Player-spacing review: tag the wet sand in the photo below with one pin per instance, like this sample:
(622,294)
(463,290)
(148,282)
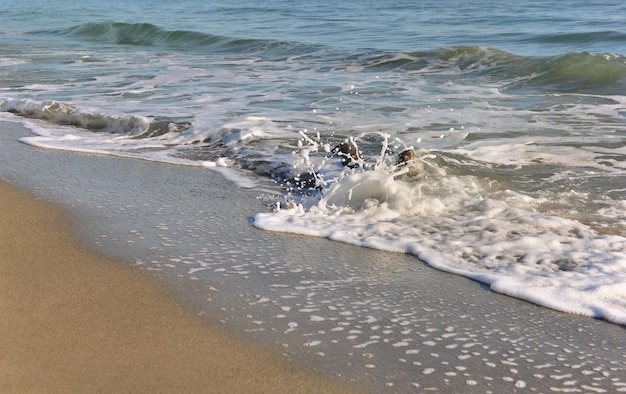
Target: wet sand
(383,321)
(74,321)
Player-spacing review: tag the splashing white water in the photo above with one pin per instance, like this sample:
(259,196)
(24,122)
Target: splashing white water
(463,225)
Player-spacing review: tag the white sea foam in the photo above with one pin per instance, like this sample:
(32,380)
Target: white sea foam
(516,185)
(459,224)
(519,181)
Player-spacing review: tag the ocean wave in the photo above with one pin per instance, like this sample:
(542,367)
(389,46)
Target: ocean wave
(575,72)
(68,114)
(579,37)
(147,34)
(464,225)
(459,58)
(603,73)
(572,72)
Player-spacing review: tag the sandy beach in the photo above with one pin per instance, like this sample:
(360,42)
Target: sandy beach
(144,276)
(75,321)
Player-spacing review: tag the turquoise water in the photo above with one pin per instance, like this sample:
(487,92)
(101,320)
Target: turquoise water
(529,28)
(516,112)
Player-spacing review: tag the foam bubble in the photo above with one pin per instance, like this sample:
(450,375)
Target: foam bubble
(461,225)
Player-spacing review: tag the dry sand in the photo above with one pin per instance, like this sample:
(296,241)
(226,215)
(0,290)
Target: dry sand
(74,321)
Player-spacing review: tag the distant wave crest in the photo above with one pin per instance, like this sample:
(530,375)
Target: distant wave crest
(603,73)
(147,34)
(578,72)
(572,72)
(579,37)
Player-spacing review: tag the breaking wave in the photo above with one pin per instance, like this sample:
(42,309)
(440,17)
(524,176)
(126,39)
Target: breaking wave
(572,72)
(586,72)
(68,114)
(147,34)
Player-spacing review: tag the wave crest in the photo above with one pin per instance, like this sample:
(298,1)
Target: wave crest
(147,34)
(68,114)
(579,72)
(571,72)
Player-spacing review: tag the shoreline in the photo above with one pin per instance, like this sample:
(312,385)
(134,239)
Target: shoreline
(73,320)
(383,321)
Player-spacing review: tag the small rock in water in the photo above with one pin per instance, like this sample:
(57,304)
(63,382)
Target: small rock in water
(306,180)
(406,156)
(349,154)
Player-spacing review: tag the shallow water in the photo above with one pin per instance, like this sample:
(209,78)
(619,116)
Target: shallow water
(379,319)
(516,115)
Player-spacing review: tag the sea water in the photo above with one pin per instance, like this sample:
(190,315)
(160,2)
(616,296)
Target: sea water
(516,114)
